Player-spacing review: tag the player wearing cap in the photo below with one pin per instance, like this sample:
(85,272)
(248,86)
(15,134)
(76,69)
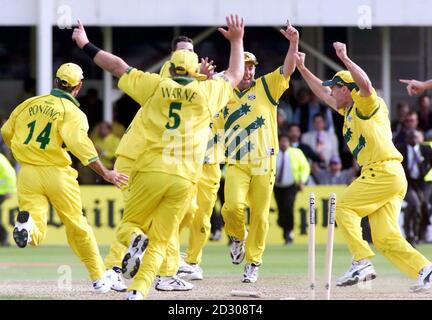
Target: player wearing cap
(39,132)
(162,180)
(381,187)
(127,152)
(251,141)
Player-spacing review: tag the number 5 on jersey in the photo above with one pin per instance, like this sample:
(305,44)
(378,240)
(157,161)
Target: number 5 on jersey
(174,106)
(43,138)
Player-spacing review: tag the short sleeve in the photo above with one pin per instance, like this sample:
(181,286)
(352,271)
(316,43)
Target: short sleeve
(219,92)
(365,106)
(139,85)
(74,134)
(275,84)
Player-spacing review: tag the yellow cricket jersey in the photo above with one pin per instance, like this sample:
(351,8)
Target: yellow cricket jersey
(250,119)
(215,148)
(367,130)
(175,115)
(42,129)
(133,138)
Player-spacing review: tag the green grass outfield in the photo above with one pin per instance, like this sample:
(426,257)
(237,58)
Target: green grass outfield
(43,263)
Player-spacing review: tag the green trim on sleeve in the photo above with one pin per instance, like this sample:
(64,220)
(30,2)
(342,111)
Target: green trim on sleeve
(363,117)
(267,91)
(93,159)
(128,70)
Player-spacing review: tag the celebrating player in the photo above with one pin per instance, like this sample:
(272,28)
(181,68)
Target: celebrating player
(40,131)
(251,145)
(164,174)
(381,187)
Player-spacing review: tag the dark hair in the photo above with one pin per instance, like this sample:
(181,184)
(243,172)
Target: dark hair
(59,85)
(283,134)
(319,114)
(292,125)
(179,39)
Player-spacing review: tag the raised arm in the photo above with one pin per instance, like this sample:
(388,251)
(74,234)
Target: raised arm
(360,77)
(314,83)
(415,87)
(234,34)
(105,60)
(293,36)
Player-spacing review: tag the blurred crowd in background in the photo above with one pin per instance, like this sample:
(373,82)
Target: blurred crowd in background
(304,123)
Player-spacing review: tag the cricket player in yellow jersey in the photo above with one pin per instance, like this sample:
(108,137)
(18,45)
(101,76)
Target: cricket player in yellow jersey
(251,148)
(162,180)
(382,185)
(127,152)
(39,132)
(198,219)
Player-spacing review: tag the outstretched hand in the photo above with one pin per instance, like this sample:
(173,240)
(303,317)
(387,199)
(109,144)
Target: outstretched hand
(235,26)
(290,32)
(79,35)
(207,67)
(414,86)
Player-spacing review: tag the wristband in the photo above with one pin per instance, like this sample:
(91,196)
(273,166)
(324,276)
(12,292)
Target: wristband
(91,50)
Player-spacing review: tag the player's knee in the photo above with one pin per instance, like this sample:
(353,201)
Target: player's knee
(386,242)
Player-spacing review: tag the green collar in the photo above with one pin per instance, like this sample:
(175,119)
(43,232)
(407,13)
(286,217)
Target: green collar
(242,93)
(183,80)
(63,94)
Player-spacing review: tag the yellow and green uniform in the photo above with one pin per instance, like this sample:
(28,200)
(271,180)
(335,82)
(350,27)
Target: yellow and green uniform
(7,177)
(380,189)
(40,132)
(170,160)
(127,152)
(197,218)
(251,144)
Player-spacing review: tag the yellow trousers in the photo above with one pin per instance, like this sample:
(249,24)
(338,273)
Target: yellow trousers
(253,184)
(197,219)
(117,249)
(378,194)
(37,187)
(155,206)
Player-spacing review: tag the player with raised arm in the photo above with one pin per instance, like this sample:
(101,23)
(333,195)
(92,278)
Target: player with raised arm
(381,187)
(181,109)
(251,141)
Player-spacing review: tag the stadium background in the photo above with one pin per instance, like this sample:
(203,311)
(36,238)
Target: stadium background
(390,39)
(35,40)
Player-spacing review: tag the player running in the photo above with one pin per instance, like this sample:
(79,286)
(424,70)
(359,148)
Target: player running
(381,187)
(39,132)
(164,174)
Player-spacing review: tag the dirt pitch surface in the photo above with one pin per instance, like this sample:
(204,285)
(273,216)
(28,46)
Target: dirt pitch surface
(219,288)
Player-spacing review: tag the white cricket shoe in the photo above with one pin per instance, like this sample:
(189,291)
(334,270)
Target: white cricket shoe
(190,272)
(23,228)
(173,283)
(102,285)
(250,274)
(237,250)
(424,281)
(362,270)
(132,259)
(116,279)
(134,295)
